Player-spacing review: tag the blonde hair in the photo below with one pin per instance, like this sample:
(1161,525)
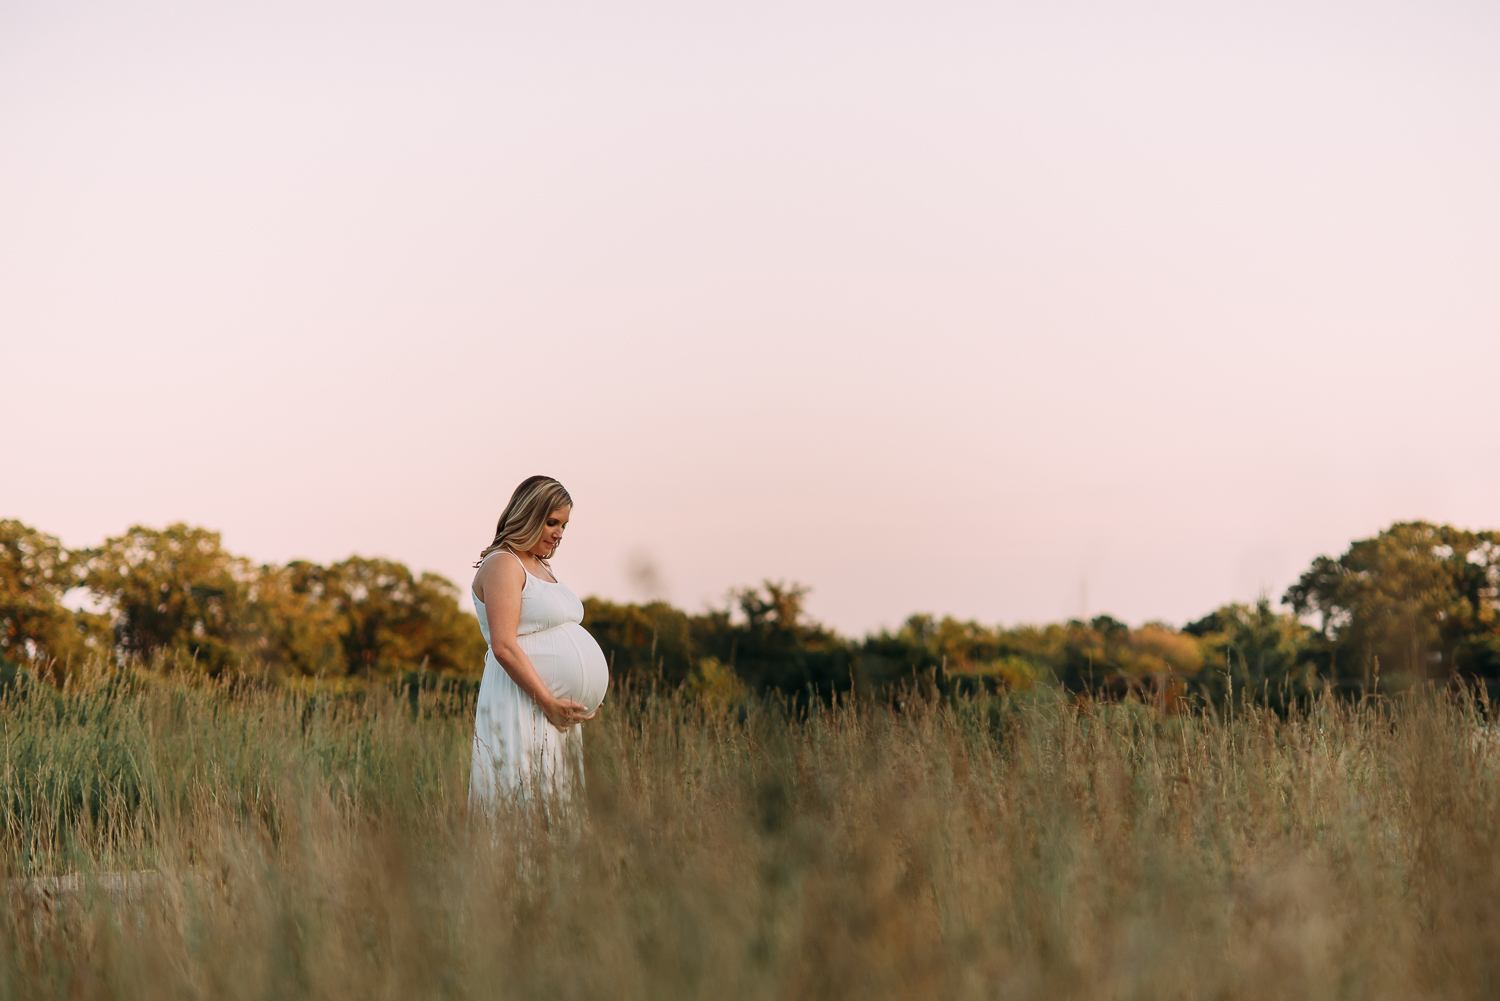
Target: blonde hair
(521,523)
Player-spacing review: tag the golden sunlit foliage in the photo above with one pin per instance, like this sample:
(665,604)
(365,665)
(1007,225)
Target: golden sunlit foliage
(176,599)
(35,573)
(1418,603)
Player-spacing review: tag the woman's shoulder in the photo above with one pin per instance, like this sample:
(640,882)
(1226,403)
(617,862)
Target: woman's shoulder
(496,569)
(497,557)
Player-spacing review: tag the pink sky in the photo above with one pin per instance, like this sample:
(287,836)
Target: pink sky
(1011,311)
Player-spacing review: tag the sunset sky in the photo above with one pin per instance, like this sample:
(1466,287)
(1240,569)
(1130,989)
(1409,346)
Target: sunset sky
(1011,311)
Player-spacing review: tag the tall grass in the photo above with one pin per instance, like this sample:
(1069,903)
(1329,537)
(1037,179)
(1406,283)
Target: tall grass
(319,846)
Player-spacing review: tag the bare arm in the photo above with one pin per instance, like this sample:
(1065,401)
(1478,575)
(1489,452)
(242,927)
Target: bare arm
(499,584)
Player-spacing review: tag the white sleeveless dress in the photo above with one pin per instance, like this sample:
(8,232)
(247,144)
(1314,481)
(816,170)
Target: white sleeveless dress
(516,750)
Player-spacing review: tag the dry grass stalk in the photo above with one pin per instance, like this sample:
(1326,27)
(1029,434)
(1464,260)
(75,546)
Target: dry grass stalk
(319,847)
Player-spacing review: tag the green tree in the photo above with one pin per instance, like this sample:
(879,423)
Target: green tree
(390,621)
(1257,651)
(298,626)
(1106,655)
(776,646)
(923,644)
(650,639)
(35,627)
(175,593)
(1418,599)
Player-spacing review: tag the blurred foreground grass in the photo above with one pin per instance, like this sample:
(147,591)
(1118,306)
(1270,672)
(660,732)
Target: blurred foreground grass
(317,845)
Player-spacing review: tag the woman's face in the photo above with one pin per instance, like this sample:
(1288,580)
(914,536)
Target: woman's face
(552,533)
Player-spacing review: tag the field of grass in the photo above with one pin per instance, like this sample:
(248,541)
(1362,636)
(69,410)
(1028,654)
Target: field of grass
(317,845)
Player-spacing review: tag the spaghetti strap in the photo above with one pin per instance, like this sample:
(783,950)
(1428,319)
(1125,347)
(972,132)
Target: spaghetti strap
(528,573)
(517,753)
(502,550)
(481,564)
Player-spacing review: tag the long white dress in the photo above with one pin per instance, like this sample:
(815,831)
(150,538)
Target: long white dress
(517,752)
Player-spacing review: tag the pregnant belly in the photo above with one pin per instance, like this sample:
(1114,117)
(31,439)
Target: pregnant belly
(570,663)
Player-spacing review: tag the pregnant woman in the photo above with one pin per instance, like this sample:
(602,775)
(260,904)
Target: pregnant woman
(543,674)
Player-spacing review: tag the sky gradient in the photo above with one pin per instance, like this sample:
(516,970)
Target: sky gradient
(1010,311)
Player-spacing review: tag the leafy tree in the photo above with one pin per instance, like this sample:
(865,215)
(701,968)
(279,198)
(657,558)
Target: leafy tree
(715,682)
(1104,655)
(770,645)
(654,638)
(1086,659)
(1423,600)
(298,626)
(175,593)
(924,643)
(176,597)
(390,621)
(35,627)
(776,647)
(368,617)
(1419,599)
(1156,649)
(1257,651)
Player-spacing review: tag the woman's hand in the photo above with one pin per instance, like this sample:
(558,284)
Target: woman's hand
(563,713)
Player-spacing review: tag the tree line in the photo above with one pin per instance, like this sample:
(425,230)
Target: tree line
(175,599)
(1418,603)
